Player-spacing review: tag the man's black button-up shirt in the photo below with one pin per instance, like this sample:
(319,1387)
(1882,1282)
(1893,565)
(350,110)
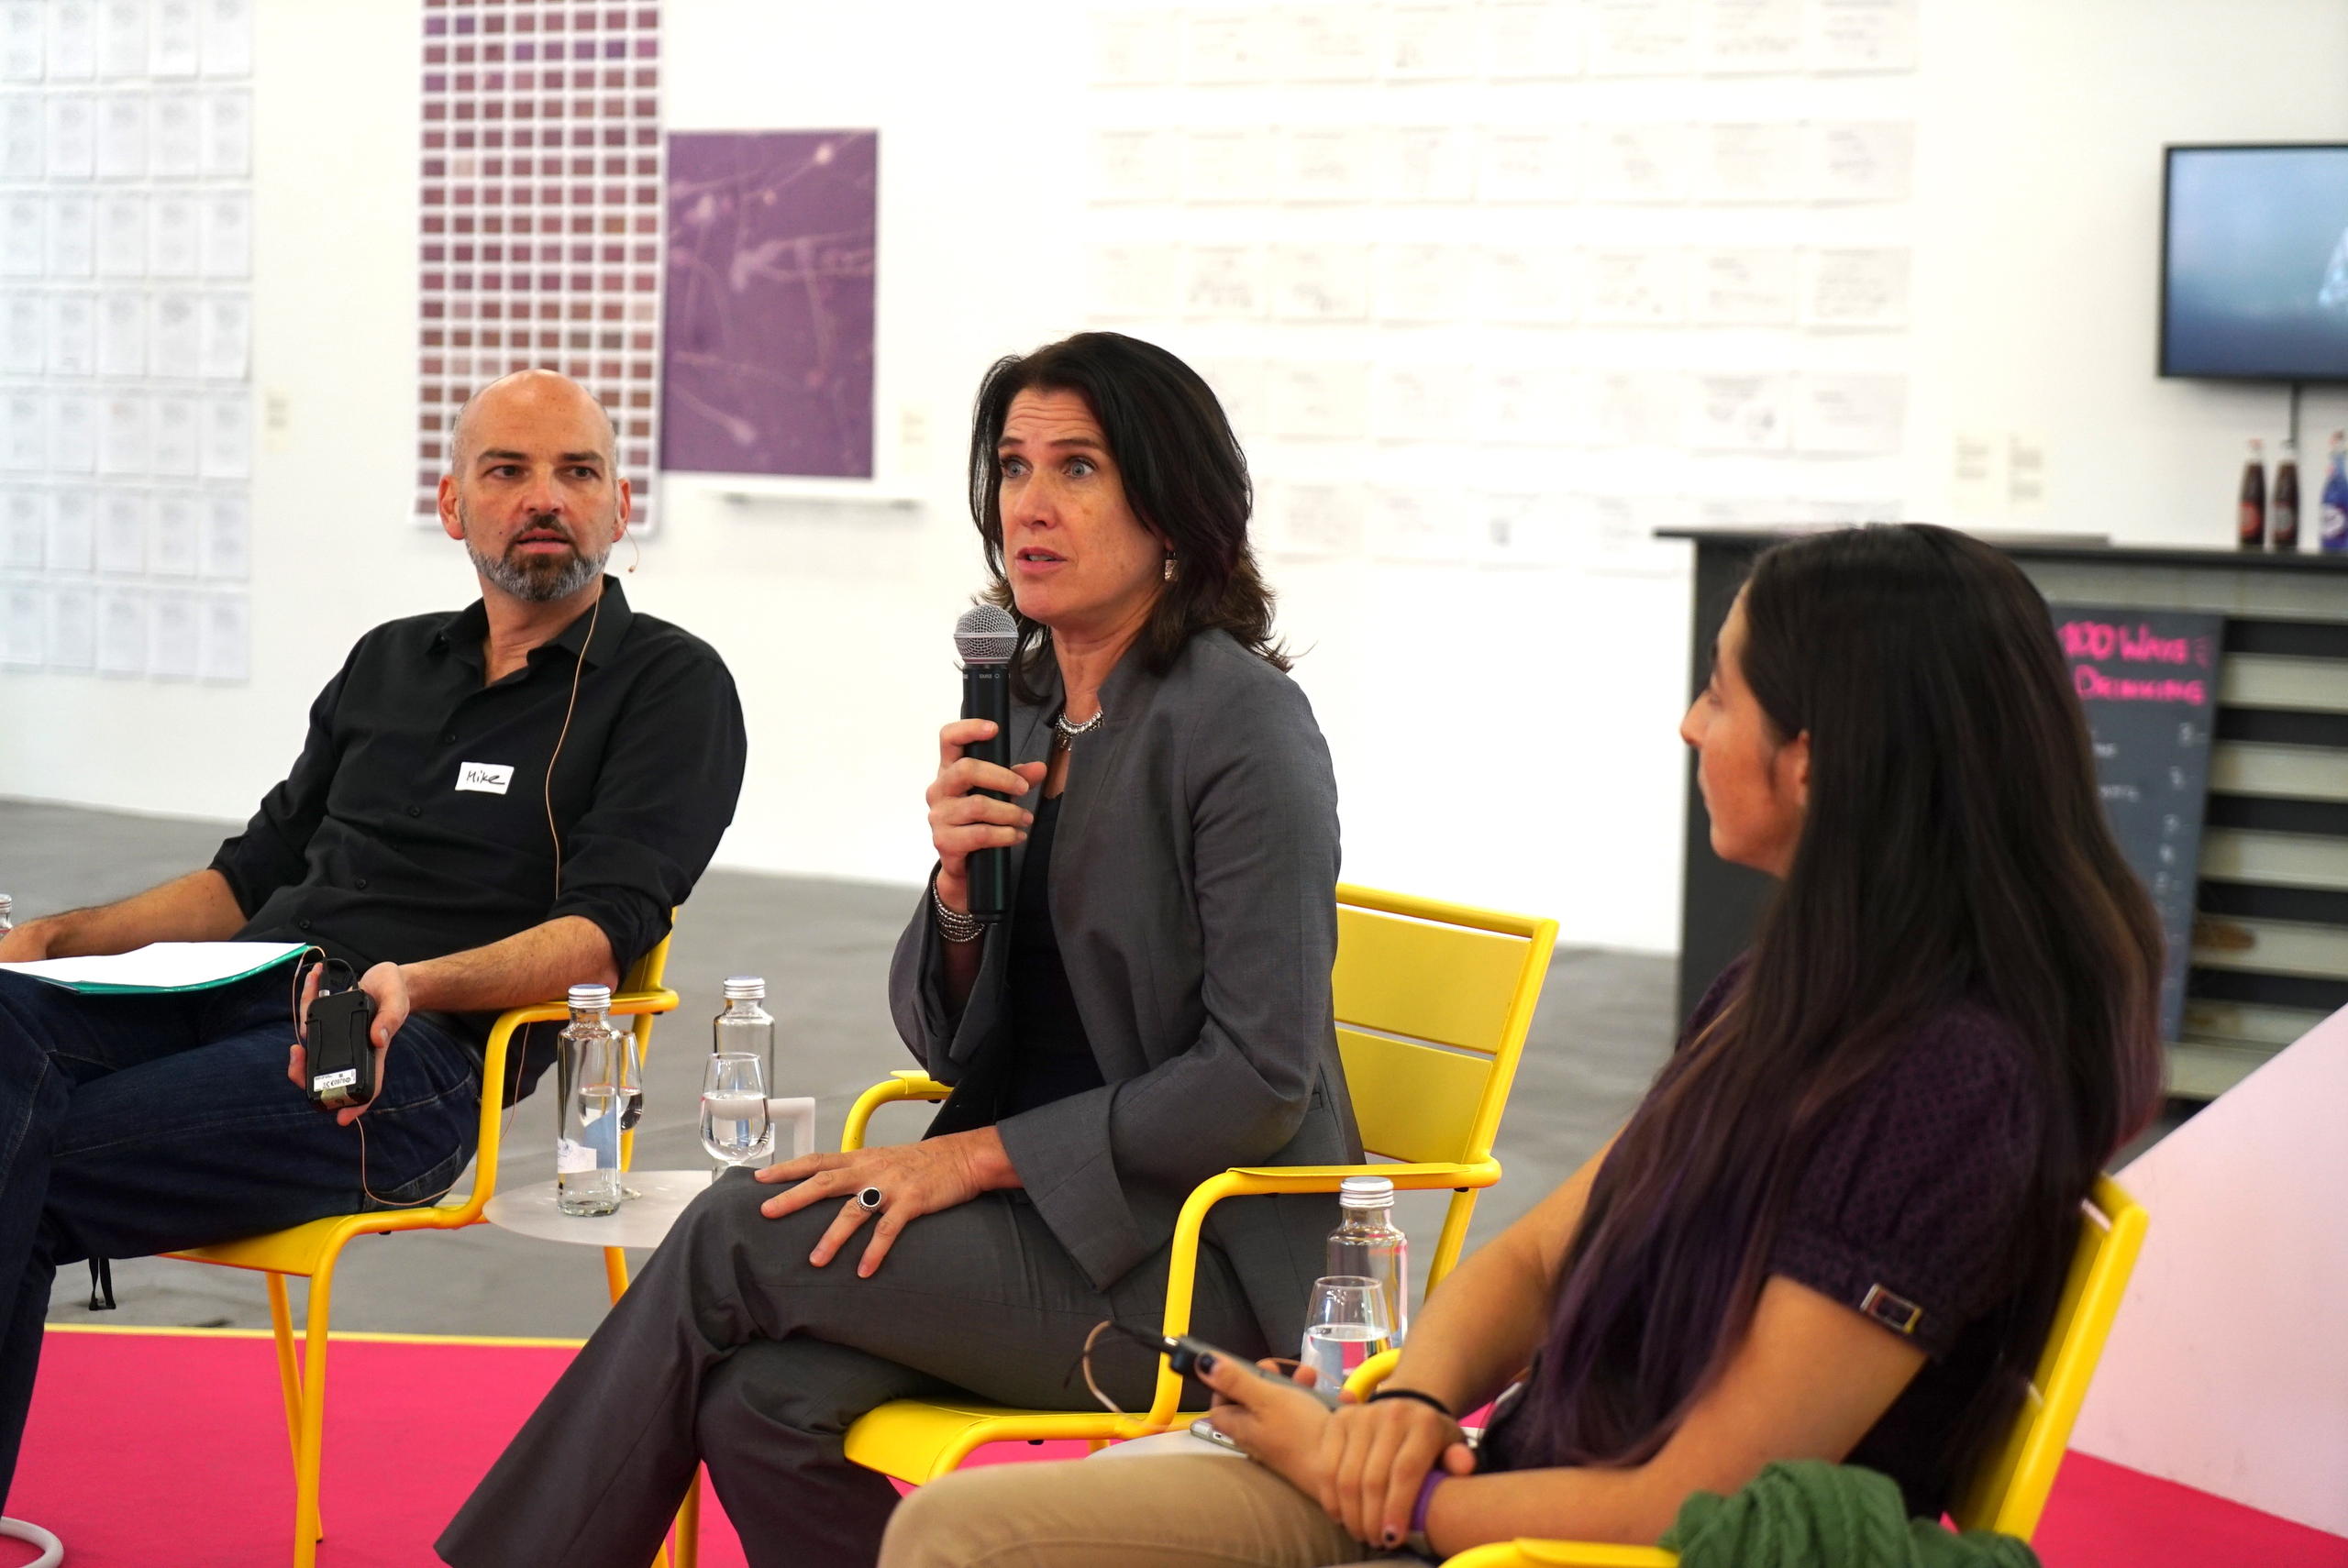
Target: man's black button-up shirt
(416,822)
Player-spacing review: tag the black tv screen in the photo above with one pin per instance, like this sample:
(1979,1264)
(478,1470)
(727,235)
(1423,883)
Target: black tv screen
(2254,263)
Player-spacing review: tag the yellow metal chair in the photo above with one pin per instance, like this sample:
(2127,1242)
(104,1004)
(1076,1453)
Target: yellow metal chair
(2008,1493)
(311,1250)
(1433,1002)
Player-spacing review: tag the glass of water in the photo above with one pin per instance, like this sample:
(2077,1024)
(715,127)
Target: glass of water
(734,1125)
(1346,1324)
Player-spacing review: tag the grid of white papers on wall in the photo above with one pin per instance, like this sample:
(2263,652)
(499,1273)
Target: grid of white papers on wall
(1520,283)
(542,212)
(125,337)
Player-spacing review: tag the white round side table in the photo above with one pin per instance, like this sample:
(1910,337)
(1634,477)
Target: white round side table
(641,1221)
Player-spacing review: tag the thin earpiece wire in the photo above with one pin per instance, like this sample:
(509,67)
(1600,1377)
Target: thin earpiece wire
(1084,1360)
(578,669)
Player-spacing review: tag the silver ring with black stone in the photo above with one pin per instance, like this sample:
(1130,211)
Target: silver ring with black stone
(868,1199)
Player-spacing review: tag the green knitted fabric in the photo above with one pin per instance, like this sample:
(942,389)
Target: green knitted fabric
(1809,1514)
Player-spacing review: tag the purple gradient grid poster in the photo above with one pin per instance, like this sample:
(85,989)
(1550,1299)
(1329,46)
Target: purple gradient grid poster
(768,339)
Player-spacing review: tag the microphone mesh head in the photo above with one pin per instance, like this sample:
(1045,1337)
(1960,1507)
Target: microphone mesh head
(985,634)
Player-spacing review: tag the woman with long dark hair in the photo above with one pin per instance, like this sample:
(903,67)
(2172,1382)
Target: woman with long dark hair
(1154,1009)
(1838,1224)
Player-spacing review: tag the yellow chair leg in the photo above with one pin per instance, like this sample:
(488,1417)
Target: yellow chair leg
(289,1367)
(689,1524)
(616,1272)
(310,1445)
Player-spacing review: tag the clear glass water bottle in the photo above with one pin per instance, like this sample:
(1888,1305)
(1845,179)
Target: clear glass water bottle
(592,1097)
(745,1027)
(1370,1245)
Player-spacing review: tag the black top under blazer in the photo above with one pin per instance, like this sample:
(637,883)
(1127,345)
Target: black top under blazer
(1193,889)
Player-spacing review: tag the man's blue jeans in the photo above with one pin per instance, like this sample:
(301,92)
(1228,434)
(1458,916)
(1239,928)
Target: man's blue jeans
(131,1125)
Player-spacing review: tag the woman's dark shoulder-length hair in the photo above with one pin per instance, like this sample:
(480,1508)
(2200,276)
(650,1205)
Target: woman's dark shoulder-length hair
(1184,476)
(1954,851)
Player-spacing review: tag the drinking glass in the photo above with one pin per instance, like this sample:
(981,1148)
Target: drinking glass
(734,1125)
(1345,1325)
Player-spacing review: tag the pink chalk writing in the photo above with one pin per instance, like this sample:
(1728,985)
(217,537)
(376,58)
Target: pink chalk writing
(2095,686)
(2103,640)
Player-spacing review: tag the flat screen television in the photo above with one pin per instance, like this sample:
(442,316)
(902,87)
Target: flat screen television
(2254,263)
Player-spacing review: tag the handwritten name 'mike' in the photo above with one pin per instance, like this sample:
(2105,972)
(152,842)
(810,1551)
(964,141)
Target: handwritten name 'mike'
(2096,640)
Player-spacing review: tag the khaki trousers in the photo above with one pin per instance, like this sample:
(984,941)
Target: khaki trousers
(1162,1511)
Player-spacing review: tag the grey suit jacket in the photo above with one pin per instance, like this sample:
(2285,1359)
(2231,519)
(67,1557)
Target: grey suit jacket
(1193,889)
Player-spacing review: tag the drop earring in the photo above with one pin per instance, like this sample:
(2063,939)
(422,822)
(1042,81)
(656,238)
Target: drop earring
(1169,571)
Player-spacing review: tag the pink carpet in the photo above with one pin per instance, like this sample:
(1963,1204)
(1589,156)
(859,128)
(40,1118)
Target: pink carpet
(168,1451)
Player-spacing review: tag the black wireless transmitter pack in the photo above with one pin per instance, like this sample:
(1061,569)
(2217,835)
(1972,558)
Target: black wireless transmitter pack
(341,1058)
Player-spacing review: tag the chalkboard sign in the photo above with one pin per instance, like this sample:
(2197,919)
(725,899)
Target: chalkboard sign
(2148,680)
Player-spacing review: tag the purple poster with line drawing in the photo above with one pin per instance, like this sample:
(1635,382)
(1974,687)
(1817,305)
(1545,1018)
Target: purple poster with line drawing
(767,332)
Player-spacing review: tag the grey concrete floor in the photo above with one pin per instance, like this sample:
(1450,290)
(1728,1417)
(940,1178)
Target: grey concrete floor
(1604,1027)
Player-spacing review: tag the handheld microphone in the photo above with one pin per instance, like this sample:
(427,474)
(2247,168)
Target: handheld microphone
(985,637)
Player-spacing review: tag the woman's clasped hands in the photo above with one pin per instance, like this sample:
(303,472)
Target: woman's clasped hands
(1364,1462)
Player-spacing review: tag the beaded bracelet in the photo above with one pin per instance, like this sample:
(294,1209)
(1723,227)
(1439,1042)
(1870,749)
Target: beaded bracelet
(953,924)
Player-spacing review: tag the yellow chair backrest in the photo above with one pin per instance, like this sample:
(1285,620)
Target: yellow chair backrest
(1433,1004)
(2008,1492)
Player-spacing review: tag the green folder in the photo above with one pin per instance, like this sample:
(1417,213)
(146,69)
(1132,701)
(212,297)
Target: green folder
(161,968)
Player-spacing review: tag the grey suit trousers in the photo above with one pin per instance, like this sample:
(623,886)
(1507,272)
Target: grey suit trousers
(731,1348)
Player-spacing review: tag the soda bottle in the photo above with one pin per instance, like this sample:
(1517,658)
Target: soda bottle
(2251,527)
(591,1103)
(2283,530)
(1367,1244)
(2333,531)
(745,1025)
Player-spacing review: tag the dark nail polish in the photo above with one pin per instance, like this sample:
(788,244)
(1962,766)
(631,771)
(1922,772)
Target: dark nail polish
(1206,1364)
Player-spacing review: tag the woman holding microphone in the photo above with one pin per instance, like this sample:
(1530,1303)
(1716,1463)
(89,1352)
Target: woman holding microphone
(1155,1009)
(1837,1225)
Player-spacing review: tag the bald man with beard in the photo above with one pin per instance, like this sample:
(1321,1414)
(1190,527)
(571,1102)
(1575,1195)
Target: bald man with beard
(491,806)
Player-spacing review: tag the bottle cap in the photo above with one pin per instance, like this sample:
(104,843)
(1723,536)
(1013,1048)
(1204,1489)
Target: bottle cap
(594,998)
(745,988)
(1366,1192)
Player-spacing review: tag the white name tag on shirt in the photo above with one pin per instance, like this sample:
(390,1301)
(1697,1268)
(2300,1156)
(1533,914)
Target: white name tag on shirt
(489,777)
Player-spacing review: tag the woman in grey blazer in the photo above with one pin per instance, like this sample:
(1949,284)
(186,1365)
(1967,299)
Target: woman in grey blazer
(1155,1009)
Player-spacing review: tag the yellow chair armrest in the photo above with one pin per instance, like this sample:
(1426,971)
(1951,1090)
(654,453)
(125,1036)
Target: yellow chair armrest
(1182,1262)
(1562,1554)
(1372,1373)
(905,1083)
(1327,1178)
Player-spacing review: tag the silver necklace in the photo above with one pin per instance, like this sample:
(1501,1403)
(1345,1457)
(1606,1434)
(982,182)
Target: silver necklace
(1069,732)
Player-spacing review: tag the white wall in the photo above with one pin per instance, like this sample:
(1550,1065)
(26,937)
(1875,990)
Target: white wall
(1470,766)
(2225,1371)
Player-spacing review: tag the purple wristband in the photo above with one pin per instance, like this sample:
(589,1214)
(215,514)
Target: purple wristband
(1426,1495)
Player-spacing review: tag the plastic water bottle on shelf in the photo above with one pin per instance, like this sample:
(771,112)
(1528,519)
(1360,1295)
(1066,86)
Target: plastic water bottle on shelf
(2332,533)
(1370,1245)
(745,1026)
(8,914)
(592,1097)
